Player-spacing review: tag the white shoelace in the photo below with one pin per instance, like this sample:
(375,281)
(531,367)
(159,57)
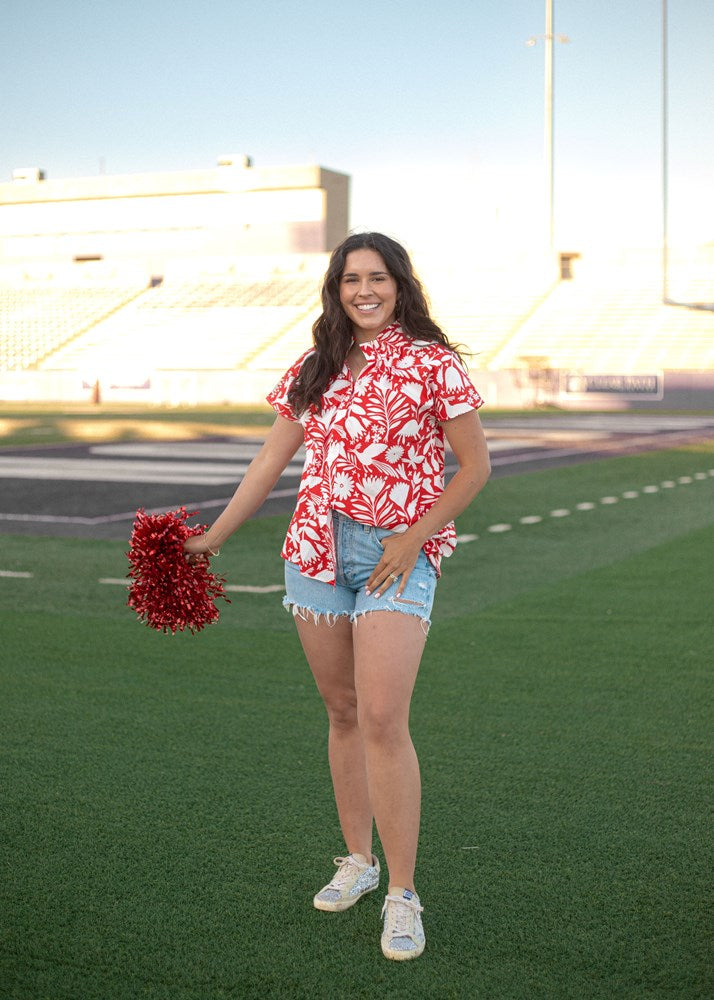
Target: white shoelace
(346,868)
(400,915)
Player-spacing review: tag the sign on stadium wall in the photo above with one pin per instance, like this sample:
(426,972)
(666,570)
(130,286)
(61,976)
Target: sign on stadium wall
(640,386)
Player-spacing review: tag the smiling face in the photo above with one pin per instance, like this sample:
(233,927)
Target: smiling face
(368,293)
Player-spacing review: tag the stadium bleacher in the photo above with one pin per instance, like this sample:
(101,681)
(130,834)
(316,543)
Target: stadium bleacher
(482,310)
(608,319)
(200,325)
(39,319)
(230,294)
(612,320)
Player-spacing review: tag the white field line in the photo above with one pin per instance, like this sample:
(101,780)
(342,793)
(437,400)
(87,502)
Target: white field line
(607,501)
(499,528)
(536,456)
(197,473)
(181,450)
(208,504)
(221,451)
(662,440)
(235,588)
(108,470)
(200,505)
(193,505)
(207,473)
(129,515)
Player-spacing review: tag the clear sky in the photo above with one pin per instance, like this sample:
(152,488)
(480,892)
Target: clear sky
(434,108)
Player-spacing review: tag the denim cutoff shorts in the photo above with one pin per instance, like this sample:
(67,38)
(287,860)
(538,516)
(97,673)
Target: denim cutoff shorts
(358,550)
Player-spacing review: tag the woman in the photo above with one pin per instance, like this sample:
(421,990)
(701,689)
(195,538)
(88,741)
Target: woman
(372,401)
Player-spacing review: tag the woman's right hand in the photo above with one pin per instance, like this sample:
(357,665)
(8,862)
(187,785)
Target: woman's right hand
(197,549)
(263,473)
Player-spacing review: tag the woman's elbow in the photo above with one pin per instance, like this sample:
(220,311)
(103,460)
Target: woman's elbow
(482,479)
(483,468)
(486,470)
(477,476)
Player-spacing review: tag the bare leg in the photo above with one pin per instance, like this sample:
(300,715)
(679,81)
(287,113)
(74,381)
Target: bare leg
(388,647)
(328,649)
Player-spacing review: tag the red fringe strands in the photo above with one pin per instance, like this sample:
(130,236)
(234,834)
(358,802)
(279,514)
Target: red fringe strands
(167,592)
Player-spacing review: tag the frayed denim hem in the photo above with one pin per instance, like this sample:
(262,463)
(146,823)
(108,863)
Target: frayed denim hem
(331,617)
(305,614)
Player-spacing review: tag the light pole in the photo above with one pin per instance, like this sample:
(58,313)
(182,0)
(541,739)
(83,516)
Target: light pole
(665,158)
(548,39)
(666,300)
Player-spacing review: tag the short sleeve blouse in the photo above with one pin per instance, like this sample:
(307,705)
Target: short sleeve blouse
(375,451)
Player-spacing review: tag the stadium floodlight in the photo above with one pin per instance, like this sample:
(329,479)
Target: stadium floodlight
(665,159)
(548,38)
(667,299)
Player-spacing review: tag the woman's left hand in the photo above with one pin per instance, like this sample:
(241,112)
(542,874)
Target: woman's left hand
(400,555)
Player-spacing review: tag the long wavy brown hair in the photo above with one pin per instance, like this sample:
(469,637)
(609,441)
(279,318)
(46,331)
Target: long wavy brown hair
(332,331)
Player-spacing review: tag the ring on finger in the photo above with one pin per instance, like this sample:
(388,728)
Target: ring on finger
(393,576)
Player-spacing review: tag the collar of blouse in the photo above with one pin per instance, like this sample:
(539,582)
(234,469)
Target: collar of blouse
(390,335)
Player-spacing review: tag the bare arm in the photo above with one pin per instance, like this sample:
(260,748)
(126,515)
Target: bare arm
(264,471)
(468,443)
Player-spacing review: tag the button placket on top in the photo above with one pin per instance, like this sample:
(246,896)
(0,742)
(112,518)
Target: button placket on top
(366,440)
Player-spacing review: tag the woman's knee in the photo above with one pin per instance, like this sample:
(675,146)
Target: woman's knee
(379,725)
(341,709)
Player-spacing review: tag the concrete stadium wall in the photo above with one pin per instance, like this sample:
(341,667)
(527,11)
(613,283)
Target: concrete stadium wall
(152,219)
(500,390)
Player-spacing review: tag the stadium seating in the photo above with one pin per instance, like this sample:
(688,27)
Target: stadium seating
(609,318)
(481,310)
(280,351)
(198,325)
(226,294)
(612,320)
(38,319)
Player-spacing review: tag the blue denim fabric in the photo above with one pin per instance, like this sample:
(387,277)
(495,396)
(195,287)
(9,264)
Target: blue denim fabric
(358,550)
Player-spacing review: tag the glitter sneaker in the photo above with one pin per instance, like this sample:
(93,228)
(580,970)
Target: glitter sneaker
(353,879)
(403,934)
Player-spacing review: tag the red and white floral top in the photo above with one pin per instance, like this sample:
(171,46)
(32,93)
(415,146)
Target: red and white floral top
(375,452)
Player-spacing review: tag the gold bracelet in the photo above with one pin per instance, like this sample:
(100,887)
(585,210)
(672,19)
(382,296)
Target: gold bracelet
(211,552)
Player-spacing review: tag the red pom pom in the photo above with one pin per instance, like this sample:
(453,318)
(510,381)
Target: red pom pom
(167,592)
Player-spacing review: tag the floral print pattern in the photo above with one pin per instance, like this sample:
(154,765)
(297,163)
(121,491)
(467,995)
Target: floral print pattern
(375,451)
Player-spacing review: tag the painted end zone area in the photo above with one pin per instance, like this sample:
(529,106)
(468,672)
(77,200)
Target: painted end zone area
(94,490)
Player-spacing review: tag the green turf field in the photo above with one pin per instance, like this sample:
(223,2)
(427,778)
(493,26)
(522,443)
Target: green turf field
(166,809)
